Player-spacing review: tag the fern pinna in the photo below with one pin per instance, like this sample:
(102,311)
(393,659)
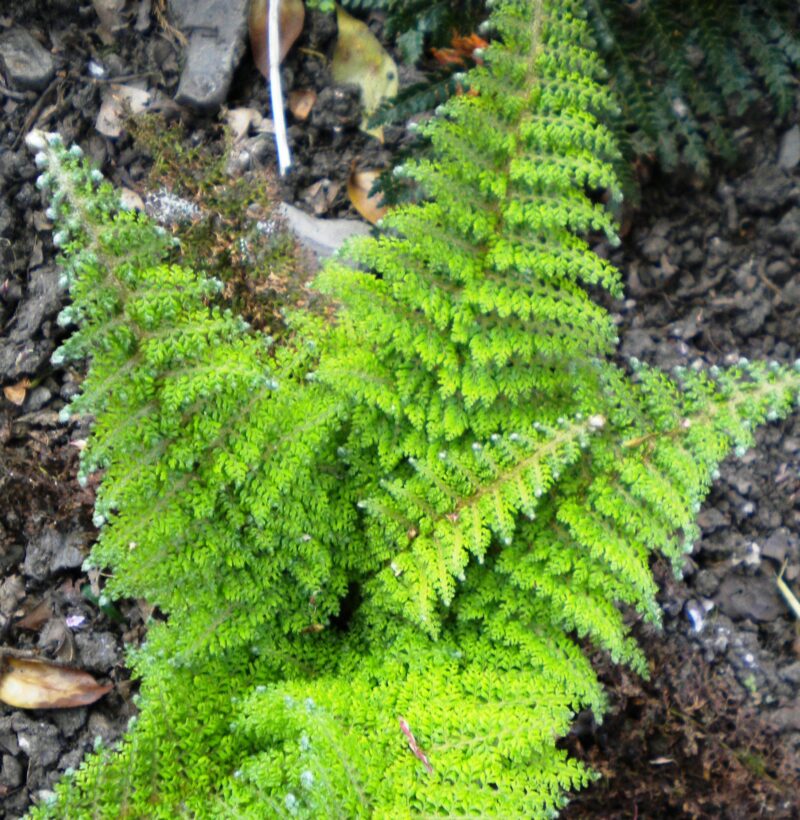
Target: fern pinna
(383,547)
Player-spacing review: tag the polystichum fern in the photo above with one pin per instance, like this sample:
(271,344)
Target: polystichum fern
(381,547)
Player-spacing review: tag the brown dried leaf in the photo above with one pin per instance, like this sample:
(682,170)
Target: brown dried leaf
(15,393)
(359,184)
(37,617)
(301,101)
(120,101)
(94,581)
(29,683)
(290,24)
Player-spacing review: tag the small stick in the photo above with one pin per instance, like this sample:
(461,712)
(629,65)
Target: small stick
(787,593)
(414,746)
(14,95)
(275,90)
(36,110)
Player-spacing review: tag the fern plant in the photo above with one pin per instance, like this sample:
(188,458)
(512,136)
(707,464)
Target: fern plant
(680,70)
(382,547)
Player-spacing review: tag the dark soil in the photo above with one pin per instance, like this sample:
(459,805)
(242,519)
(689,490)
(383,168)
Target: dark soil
(712,274)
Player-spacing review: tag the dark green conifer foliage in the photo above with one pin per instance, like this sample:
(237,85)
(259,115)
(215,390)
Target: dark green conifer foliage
(381,547)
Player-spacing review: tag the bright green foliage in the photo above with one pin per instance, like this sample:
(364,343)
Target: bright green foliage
(383,548)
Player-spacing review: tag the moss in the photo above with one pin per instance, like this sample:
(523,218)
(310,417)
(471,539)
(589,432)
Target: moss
(235,234)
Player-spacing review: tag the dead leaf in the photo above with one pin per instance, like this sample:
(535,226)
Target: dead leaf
(130,200)
(58,641)
(360,59)
(320,195)
(119,101)
(292,15)
(359,184)
(467,44)
(463,48)
(30,683)
(241,120)
(301,102)
(37,617)
(94,581)
(16,393)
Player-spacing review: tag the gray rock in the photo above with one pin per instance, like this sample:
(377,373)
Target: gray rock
(765,190)
(50,553)
(70,557)
(37,398)
(653,247)
(12,591)
(100,726)
(787,718)
(70,720)
(750,321)
(8,736)
(99,651)
(779,271)
(216,30)
(778,545)
(754,598)
(11,773)
(10,555)
(28,65)
(322,237)
(22,353)
(39,740)
(711,519)
(71,760)
(787,231)
(706,582)
(791,673)
(789,152)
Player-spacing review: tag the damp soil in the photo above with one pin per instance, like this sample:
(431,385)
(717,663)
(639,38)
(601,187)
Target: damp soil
(712,274)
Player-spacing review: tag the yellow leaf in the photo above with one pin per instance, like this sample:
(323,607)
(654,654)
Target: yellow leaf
(360,59)
(15,393)
(29,683)
(359,184)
